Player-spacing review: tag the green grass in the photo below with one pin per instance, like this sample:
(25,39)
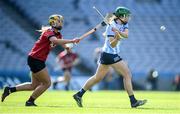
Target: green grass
(99,102)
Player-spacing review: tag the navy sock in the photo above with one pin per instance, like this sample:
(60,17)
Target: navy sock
(12,89)
(132,99)
(81,92)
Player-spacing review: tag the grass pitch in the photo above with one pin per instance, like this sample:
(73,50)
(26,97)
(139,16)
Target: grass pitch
(99,102)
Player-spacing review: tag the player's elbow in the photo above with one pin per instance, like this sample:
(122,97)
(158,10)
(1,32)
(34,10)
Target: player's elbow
(54,41)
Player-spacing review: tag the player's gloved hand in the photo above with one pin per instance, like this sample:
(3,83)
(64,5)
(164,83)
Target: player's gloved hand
(76,40)
(115,29)
(103,24)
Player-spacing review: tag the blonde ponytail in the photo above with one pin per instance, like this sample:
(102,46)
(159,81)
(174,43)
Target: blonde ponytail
(44,28)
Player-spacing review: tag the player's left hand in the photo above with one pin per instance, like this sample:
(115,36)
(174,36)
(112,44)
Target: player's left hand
(115,29)
(76,40)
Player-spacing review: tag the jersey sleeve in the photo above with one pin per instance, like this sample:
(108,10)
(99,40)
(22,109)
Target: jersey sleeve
(48,34)
(109,32)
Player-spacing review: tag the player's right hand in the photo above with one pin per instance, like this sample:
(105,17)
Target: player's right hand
(115,29)
(76,40)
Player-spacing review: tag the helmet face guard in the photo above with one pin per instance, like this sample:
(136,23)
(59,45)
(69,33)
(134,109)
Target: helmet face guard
(56,21)
(123,13)
(125,17)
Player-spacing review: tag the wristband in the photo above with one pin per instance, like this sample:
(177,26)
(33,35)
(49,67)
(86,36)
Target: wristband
(103,23)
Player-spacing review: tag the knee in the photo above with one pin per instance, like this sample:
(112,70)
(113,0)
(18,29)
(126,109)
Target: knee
(33,86)
(47,84)
(128,76)
(67,78)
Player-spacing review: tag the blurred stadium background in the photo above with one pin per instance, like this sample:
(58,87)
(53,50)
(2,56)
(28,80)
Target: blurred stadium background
(147,47)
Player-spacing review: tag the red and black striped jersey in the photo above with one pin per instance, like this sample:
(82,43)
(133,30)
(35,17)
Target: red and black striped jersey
(43,45)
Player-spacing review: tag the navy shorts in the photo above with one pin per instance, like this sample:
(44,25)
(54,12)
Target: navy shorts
(35,64)
(107,58)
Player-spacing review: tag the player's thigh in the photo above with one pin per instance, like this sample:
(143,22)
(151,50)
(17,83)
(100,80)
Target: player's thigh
(43,76)
(101,71)
(122,68)
(67,75)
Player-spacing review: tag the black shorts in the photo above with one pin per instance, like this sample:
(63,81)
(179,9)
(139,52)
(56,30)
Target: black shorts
(107,58)
(35,64)
(66,69)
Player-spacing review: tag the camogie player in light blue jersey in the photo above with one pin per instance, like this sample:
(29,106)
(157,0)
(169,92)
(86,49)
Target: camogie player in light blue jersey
(110,57)
(108,48)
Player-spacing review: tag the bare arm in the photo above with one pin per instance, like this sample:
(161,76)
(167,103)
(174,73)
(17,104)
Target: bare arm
(114,40)
(61,42)
(123,34)
(76,61)
(99,26)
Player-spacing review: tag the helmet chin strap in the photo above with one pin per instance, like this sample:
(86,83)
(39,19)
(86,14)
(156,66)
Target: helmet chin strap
(58,28)
(122,21)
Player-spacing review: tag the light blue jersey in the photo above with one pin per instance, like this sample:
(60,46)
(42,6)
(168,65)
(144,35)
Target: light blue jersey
(109,33)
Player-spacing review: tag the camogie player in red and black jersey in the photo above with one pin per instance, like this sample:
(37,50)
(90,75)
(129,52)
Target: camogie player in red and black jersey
(40,82)
(66,59)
